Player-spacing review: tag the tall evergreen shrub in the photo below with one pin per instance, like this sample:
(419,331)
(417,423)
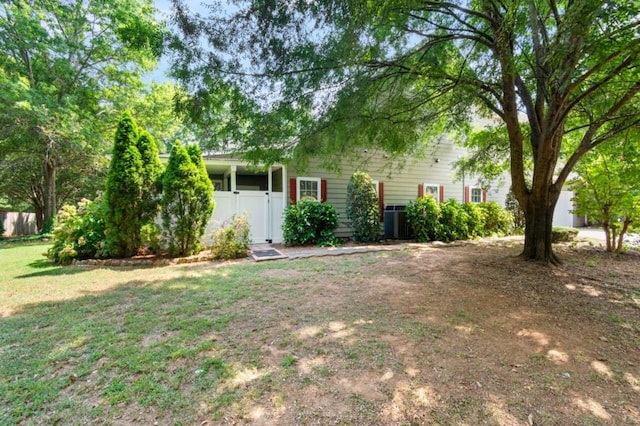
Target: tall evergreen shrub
(123,195)
(151,175)
(187,202)
(363,211)
(204,203)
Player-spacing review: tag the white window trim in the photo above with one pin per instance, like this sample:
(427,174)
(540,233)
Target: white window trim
(376,185)
(436,196)
(314,179)
(471,188)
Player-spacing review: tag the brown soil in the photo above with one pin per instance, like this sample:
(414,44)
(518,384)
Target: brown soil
(468,334)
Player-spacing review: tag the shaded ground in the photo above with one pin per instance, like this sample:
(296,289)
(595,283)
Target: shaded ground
(432,335)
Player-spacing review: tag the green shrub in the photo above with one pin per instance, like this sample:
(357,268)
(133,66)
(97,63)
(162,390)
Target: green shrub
(454,221)
(232,240)
(124,189)
(475,220)
(423,218)
(363,211)
(1,226)
(151,174)
(496,219)
(561,234)
(80,232)
(310,222)
(187,201)
(151,237)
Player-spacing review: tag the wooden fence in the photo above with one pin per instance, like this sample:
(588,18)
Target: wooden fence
(18,224)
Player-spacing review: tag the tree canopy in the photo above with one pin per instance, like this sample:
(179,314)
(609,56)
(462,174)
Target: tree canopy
(328,76)
(607,187)
(62,63)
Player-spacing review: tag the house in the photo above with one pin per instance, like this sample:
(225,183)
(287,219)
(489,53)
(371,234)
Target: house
(265,193)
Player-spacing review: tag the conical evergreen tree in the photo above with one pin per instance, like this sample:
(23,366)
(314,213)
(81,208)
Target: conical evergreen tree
(124,191)
(151,176)
(187,201)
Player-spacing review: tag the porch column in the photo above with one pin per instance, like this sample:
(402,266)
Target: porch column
(233,170)
(285,186)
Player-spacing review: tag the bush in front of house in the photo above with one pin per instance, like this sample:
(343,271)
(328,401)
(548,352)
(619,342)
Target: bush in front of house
(454,221)
(363,210)
(151,175)
(79,232)
(451,221)
(187,202)
(150,238)
(497,221)
(475,220)
(124,189)
(561,234)
(232,240)
(310,222)
(132,190)
(423,216)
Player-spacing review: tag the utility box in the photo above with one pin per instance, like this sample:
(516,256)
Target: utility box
(395,222)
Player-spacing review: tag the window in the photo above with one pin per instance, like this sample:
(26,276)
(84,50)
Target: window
(432,190)
(476,195)
(308,188)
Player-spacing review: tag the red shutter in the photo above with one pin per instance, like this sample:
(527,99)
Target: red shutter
(441,193)
(467,194)
(381,200)
(484,195)
(323,190)
(420,190)
(293,190)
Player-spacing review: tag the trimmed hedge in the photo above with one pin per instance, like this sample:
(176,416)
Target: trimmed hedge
(310,222)
(452,221)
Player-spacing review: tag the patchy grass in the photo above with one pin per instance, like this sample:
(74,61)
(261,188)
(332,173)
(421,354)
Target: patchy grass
(428,336)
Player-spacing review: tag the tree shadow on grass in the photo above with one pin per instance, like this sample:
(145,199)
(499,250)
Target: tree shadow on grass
(49,268)
(41,264)
(52,272)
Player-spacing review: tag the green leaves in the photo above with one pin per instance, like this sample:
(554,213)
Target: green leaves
(187,200)
(310,222)
(124,190)
(60,62)
(606,189)
(362,208)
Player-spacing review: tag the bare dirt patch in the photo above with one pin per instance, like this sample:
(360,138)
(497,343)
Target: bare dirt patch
(447,335)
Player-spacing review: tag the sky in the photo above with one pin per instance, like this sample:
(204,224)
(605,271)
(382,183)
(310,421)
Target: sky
(164,13)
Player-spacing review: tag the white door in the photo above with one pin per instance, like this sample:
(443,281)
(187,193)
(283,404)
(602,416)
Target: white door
(256,205)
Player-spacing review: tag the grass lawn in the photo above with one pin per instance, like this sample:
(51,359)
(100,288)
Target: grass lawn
(425,336)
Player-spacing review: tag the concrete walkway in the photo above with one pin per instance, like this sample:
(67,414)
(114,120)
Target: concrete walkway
(313,251)
(593,234)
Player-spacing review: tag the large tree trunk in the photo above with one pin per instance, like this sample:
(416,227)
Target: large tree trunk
(537,236)
(539,224)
